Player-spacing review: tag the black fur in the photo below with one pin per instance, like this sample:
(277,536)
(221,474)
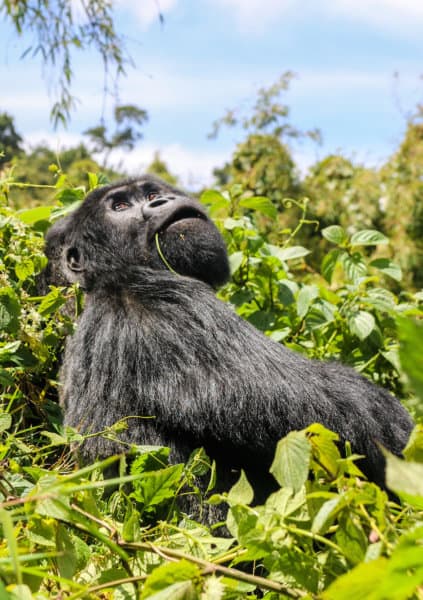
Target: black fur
(150,342)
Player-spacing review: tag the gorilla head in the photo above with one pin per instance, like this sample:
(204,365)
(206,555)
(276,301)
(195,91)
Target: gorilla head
(143,222)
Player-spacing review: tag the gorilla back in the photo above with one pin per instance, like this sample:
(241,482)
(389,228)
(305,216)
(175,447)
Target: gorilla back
(153,343)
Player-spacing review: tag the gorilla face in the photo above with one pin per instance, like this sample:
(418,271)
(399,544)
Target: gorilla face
(142,222)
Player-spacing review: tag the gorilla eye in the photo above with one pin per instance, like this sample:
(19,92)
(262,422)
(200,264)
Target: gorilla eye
(151,195)
(120,205)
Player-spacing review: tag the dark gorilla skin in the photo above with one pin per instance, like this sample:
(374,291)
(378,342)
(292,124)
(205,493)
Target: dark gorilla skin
(153,343)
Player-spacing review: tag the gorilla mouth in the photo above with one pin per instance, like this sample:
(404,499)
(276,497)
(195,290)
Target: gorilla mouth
(184,214)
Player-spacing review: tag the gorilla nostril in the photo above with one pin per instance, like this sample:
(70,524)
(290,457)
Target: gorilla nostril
(150,208)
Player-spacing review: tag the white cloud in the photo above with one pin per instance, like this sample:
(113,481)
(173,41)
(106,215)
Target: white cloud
(399,16)
(147,11)
(256,15)
(379,13)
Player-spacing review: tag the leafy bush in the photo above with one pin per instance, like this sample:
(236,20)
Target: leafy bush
(326,533)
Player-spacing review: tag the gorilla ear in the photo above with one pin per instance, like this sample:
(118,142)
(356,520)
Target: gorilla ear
(74,260)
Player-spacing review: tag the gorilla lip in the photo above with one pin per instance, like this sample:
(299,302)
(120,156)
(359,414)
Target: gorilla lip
(183,214)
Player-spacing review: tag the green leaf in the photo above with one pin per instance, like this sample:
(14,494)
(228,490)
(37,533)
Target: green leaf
(326,514)
(351,539)
(157,486)
(211,197)
(32,215)
(368,237)
(354,265)
(10,309)
(260,204)
(66,559)
(329,263)
(235,261)
(380,299)
(172,581)
(335,234)
(292,460)
(305,297)
(284,254)
(5,421)
(405,479)
(52,302)
(24,269)
(387,267)
(241,492)
(361,324)
(411,352)
(360,583)
(414,448)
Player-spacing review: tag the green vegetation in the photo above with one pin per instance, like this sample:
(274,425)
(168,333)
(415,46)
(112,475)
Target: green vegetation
(330,265)
(326,533)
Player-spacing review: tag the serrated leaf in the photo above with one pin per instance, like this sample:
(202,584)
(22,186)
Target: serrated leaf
(292,460)
(157,486)
(361,324)
(368,237)
(10,309)
(387,267)
(335,234)
(260,204)
(326,515)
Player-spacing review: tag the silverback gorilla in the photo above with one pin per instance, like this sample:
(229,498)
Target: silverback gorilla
(154,343)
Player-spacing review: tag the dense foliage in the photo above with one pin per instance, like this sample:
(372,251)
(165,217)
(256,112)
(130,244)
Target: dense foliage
(326,533)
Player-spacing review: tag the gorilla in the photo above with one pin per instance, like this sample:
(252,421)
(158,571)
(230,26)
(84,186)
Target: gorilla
(154,341)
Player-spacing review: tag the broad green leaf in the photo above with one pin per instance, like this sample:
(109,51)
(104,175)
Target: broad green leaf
(368,237)
(335,234)
(326,514)
(5,421)
(361,324)
(24,269)
(354,265)
(52,302)
(329,263)
(405,479)
(387,267)
(351,538)
(241,492)
(292,460)
(305,297)
(235,261)
(284,254)
(157,486)
(10,309)
(361,583)
(32,215)
(381,299)
(260,204)
(411,352)
(66,559)
(414,448)
(172,581)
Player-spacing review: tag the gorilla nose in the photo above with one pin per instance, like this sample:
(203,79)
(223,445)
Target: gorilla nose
(155,207)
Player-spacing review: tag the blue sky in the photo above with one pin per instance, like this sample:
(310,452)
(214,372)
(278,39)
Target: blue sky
(211,55)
